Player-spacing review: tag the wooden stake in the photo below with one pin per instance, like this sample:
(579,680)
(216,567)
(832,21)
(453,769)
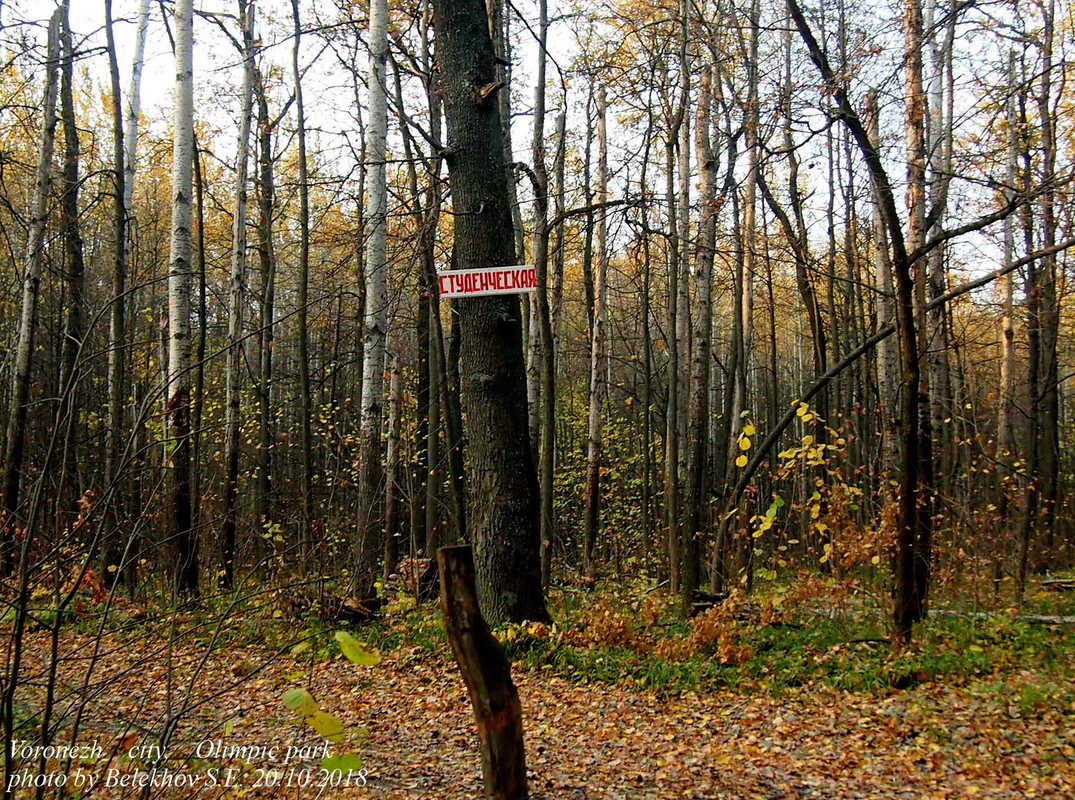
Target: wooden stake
(487,675)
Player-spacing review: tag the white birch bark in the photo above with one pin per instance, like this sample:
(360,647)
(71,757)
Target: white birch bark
(180,272)
(376,320)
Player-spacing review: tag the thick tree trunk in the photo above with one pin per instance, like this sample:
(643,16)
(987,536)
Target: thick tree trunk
(74,279)
(179,285)
(370,480)
(503,497)
(913,550)
(698,406)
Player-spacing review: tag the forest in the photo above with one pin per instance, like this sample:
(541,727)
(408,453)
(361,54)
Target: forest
(757,485)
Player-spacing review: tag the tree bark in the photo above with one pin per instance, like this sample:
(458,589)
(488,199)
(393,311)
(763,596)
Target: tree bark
(74,276)
(117,345)
(302,295)
(487,675)
(179,285)
(370,481)
(266,186)
(503,495)
(911,538)
(232,406)
(698,405)
(598,354)
(393,490)
(34,264)
(547,361)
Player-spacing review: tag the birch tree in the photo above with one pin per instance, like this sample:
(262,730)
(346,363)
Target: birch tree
(179,285)
(376,322)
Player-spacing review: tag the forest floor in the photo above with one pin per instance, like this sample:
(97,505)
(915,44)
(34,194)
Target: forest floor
(594,728)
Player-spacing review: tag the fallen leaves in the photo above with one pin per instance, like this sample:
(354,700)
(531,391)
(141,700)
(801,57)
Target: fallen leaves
(590,740)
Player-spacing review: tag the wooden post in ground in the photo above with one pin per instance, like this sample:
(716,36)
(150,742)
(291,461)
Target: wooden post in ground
(487,675)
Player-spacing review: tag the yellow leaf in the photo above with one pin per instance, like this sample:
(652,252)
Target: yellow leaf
(741,461)
(748,429)
(744,443)
(875,560)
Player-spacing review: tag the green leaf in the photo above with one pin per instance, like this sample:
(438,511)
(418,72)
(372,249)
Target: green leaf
(301,648)
(300,701)
(229,727)
(356,651)
(327,726)
(342,763)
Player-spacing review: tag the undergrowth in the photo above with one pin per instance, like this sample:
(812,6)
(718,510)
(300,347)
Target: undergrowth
(810,633)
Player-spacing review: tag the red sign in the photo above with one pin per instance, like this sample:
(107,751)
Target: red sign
(489,280)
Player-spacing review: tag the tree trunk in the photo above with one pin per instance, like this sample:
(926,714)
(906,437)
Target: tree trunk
(1005,450)
(117,345)
(698,405)
(888,357)
(198,400)
(306,409)
(232,443)
(598,354)
(370,481)
(179,284)
(266,186)
(1045,288)
(33,266)
(547,392)
(393,490)
(503,497)
(671,440)
(73,273)
(912,540)
(913,552)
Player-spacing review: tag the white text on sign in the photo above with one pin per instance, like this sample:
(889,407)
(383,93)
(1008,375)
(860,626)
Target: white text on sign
(490,280)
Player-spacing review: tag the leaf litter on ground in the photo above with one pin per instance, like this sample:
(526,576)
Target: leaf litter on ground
(409,721)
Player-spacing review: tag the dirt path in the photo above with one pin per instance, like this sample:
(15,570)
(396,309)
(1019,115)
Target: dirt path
(583,741)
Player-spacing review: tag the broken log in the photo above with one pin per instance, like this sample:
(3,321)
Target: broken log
(487,675)
(1059,585)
